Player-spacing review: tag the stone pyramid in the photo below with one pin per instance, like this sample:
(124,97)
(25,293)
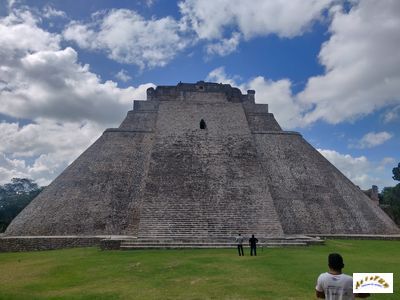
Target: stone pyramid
(200,161)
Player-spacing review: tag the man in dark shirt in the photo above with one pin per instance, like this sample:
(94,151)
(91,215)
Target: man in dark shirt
(253,245)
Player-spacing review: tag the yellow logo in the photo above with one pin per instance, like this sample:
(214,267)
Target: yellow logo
(372,282)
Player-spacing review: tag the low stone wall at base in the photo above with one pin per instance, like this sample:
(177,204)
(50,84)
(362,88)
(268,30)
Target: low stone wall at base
(389,237)
(36,243)
(110,244)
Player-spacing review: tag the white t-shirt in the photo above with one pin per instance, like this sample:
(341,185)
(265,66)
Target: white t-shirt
(335,287)
(239,240)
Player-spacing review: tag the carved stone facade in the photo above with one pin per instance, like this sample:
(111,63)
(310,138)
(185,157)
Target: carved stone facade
(162,174)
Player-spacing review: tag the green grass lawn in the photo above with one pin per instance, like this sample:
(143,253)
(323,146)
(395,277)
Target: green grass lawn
(279,273)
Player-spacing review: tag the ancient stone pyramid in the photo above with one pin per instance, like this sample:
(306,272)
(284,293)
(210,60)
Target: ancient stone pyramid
(200,160)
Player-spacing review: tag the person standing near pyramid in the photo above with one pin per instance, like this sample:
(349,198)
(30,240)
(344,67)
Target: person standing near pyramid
(239,242)
(253,245)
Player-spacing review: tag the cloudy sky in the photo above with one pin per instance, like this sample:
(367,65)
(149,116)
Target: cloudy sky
(329,69)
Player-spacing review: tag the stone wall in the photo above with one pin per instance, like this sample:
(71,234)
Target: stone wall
(205,183)
(258,117)
(142,118)
(16,244)
(311,195)
(96,195)
(200,91)
(373,194)
(139,121)
(262,122)
(110,244)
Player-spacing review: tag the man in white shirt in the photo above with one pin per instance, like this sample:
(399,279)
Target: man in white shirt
(334,285)
(239,242)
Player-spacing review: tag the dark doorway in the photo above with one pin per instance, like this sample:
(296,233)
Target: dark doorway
(203,124)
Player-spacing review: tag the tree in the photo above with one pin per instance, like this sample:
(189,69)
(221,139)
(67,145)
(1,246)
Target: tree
(391,198)
(396,172)
(14,197)
(20,185)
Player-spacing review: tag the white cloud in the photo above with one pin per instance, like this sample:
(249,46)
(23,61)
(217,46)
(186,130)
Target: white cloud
(50,12)
(81,34)
(52,84)
(11,168)
(386,162)
(123,76)
(277,94)
(50,146)
(392,114)
(129,38)
(46,136)
(20,35)
(359,170)
(39,79)
(68,104)
(224,46)
(210,19)
(373,139)
(149,3)
(361,60)
(219,75)
(11,3)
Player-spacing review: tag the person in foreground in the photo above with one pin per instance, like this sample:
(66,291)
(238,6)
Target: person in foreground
(334,285)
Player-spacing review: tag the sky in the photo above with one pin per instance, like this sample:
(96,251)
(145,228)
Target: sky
(328,69)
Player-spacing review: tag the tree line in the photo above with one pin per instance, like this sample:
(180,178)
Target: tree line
(14,197)
(389,199)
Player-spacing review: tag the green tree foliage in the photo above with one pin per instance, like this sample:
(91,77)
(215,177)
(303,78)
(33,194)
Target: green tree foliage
(396,172)
(390,197)
(14,196)
(20,185)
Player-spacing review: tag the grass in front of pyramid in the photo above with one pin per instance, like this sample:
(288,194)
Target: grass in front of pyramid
(276,273)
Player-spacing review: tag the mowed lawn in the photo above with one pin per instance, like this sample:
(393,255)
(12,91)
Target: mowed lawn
(278,273)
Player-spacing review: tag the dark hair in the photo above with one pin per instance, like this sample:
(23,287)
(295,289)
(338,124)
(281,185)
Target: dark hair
(335,261)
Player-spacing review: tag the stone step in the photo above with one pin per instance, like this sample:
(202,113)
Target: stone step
(133,246)
(169,247)
(212,238)
(193,223)
(182,241)
(202,227)
(209,244)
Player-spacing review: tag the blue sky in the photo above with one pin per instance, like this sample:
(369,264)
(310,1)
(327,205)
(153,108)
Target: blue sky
(328,69)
